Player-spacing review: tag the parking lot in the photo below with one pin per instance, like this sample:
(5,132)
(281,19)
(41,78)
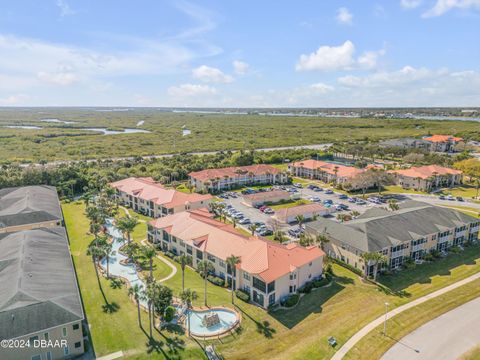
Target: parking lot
(321,195)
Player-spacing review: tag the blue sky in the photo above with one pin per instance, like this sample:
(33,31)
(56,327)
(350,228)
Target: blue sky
(240,53)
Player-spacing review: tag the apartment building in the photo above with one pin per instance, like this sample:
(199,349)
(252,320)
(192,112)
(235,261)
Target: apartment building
(414,230)
(39,297)
(29,207)
(215,180)
(268,271)
(150,198)
(427,178)
(443,143)
(324,171)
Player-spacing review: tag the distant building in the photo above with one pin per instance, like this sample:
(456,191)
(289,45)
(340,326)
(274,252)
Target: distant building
(39,296)
(308,211)
(29,207)
(406,143)
(268,271)
(413,231)
(427,178)
(324,171)
(443,143)
(266,197)
(215,180)
(147,197)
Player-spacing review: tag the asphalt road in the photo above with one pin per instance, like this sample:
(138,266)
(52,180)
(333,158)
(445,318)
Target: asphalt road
(444,338)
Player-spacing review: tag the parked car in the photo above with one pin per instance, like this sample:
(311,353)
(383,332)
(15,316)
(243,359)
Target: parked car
(327,201)
(317,189)
(314,199)
(441,197)
(268,211)
(328,191)
(352,199)
(298,185)
(361,202)
(259,223)
(245,221)
(342,196)
(450,197)
(459,198)
(341,207)
(262,208)
(312,187)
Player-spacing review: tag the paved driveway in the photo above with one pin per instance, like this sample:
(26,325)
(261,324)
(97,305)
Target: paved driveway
(446,337)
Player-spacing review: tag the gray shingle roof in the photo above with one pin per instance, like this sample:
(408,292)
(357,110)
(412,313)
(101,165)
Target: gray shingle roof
(38,284)
(376,230)
(28,205)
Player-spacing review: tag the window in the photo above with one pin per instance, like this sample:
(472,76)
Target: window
(78,344)
(271,287)
(66,351)
(189,250)
(211,258)
(259,284)
(246,276)
(174,239)
(221,263)
(310,264)
(76,326)
(199,255)
(165,236)
(48,355)
(37,357)
(293,276)
(32,339)
(64,331)
(271,299)
(46,336)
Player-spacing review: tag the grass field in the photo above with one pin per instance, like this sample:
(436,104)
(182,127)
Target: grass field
(208,132)
(290,204)
(473,354)
(339,310)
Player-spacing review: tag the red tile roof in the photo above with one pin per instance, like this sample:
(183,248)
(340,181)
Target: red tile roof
(443,138)
(342,170)
(424,172)
(147,189)
(234,171)
(259,256)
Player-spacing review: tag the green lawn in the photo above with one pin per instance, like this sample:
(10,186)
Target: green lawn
(290,204)
(465,209)
(473,354)
(465,191)
(111,332)
(338,310)
(375,344)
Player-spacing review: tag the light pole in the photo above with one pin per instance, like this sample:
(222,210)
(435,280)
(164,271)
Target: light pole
(385,322)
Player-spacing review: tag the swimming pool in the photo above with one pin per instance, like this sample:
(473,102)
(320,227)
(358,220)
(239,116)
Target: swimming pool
(228,319)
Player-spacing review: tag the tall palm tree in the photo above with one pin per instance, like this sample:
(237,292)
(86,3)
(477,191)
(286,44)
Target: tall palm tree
(233,261)
(205,267)
(149,253)
(107,252)
(138,294)
(253,228)
(376,258)
(150,296)
(300,220)
(322,239)
(184,260)
(188,297)
(127,225)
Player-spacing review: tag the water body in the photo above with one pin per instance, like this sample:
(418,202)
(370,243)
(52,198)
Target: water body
(58,121)
(186,132)
(105,131)
(26,127)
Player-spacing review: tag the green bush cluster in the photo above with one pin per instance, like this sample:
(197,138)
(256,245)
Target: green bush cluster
(216,280)
(242,295)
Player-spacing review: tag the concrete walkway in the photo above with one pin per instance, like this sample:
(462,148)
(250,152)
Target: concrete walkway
(378,321)
(168,262)
(447,337)
(127,211)
(112,356)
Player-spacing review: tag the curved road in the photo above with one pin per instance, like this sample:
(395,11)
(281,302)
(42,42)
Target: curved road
(446,337)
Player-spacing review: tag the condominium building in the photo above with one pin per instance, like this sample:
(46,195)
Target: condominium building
(414,230)
(443,143)
(268,271)
(215,180)
(324,171)
(29,207)
(40,303)
(427,178)
(147,197)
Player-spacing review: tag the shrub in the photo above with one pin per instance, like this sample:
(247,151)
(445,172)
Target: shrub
(216,280)
(306,288)
(321,282)
(291,300)
(169,313)
(455,249)
(329,269)
(170,254)
(428,257)
(435,253)
(242,295)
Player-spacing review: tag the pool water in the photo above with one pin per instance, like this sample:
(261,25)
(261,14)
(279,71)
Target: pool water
(228,318)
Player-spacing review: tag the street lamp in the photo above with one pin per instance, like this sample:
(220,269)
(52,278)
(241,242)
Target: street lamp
(385,322)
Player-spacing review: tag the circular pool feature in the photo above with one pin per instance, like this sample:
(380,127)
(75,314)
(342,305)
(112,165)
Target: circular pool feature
(227,320)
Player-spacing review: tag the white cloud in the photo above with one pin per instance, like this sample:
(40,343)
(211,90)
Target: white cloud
(443,6)
(59,78)
(344,16)
(65,9)
(240,67)
(188,90)
(410,4)
(14,99)
(210,74)
(321,88)
(330,58)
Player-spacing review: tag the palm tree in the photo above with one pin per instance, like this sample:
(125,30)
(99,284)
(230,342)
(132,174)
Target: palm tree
(107,251)
(322,239)
(150,296)
(300,219)
(393,205)
(232,262)
(376,258)
(137,292)
(306,240)
(279,236)
(149,253)
(127,225)
(253,228)
(188,297)
(184,260)
(205,267)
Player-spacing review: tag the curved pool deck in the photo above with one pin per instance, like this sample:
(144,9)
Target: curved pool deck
(229,319)
(116,268)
